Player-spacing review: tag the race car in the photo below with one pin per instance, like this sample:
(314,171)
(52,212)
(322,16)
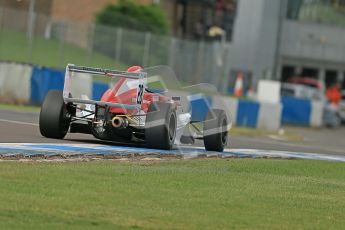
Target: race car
(129,112)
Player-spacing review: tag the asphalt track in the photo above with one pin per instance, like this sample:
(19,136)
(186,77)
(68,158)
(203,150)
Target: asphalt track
(22,127)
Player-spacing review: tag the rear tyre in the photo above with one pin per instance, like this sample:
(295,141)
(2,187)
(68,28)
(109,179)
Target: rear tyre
(54,119)
(215,130)
(160,130)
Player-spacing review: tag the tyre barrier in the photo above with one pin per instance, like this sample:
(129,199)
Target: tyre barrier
(26,84)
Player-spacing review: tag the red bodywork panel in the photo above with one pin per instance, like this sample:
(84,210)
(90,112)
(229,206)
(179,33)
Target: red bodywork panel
(129,97)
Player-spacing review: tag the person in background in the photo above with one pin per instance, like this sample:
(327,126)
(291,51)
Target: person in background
(333,94)
(331,109)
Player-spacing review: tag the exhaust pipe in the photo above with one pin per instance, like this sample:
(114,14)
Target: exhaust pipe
(118,122)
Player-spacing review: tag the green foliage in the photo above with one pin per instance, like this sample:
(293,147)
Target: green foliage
(129,15)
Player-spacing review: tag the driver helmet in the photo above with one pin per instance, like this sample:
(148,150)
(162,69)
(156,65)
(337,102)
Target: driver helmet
(133,69)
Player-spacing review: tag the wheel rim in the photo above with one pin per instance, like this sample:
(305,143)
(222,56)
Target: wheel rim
(172,130)
(65,119)
(224,132)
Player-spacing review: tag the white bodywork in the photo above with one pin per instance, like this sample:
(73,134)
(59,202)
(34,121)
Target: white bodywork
(132,81)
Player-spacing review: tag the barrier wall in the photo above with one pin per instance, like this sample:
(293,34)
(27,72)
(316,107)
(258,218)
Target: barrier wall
(15,83)
(247,114)
(302,112)
(317,111)
(26,84)
(269,116)
(296,111)
(43,80)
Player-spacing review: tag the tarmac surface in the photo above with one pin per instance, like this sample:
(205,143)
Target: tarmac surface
(22,127)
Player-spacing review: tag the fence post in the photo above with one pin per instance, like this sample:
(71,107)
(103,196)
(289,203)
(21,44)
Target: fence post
(62,36)
(199,73)
(146,55)
(90,45)
(31,27)
(215,58)
(48,30)
(30,39)
(119,33)
(226,71)
(1,23)
(1,16)
(172,52)
(31,19)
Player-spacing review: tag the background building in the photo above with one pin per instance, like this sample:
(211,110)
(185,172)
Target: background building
(271,39)
(279,39)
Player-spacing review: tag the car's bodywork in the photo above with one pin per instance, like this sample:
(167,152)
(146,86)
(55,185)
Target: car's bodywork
(131,111)
(122,108)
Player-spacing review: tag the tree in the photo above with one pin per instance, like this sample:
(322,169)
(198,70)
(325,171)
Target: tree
(127,14)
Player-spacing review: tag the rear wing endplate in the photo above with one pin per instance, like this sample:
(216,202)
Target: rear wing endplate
(70,69)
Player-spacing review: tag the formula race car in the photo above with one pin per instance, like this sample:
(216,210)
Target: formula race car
(129,111)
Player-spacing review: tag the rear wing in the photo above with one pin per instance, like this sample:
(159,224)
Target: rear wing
(70,69)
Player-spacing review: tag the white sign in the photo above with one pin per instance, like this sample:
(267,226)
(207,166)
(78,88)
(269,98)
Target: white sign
(269,91)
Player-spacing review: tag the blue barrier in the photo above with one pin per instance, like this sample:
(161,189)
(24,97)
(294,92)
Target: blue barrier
(200,107)
(296,111)
(43,80)
(98,89)
(247,114)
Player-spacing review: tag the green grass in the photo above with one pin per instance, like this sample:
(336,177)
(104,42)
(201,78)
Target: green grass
(198,194)
(14,46)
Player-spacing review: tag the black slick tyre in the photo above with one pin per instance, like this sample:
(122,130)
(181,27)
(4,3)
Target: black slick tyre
(160,130)
(54,120)
(215,130)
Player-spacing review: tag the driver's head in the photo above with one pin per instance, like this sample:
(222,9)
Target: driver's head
(133,69)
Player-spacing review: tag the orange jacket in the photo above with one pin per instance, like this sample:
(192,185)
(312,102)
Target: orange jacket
(333,95)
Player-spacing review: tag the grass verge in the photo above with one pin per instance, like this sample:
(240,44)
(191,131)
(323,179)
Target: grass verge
(14,46)
(198,194)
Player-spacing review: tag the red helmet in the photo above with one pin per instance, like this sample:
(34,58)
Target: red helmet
(134,69)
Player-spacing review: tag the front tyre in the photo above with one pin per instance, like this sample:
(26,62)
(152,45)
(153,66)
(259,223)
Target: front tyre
(160,130)
(215,130)
(54,119)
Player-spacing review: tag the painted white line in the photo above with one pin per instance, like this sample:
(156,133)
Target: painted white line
(18,122)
